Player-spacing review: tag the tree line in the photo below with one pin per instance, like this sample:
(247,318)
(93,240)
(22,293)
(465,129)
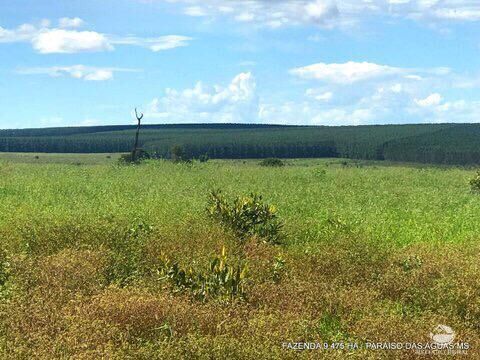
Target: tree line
(426,143)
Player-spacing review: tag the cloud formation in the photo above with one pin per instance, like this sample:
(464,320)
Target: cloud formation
(66,39)
(66,22)
(330,13)
(160,43)
(346,73)
(81,72)
(235,103)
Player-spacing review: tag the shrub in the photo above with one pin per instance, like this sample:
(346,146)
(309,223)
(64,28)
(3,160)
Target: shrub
(221,280)
(140,155)
(274,162)
(475,182)
(278,268)
(246,216)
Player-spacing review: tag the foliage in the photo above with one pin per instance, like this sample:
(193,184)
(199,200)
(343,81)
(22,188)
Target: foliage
(475,182)
(129,158)
(221,280)
(424,143)
(246,216)
(274,162)
(278,268)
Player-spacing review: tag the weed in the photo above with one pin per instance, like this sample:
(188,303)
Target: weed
(475,182)
(222,280)
(247,216)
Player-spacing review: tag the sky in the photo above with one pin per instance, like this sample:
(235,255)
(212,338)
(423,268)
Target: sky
(300,62)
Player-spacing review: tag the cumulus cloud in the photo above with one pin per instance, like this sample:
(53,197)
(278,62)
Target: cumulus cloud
(237,102)
(375,94)
(81,72)
(430,100)
(346,73)
(330,13)
(59,41)
(66,22)
(273,14)
(319,95)
(67,40)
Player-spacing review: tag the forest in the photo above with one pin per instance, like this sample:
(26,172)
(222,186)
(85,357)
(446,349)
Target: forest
(456,144)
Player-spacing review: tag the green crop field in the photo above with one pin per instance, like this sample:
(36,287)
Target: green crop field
(101,260)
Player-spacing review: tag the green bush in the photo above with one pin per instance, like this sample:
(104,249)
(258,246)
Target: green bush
(129,158)
(222,280)
(475,182)
(274,162)
(247,216)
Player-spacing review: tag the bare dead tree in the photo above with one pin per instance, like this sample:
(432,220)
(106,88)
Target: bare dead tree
(135,147)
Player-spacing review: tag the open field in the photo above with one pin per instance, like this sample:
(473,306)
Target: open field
(46,158)
(370,253)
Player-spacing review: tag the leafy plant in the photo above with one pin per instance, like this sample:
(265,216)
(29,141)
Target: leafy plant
(246,216)
(132,157)
(221,280)
(475,182)
(274,162)
(278,268)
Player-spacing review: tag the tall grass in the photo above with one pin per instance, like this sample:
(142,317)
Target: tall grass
(370,253)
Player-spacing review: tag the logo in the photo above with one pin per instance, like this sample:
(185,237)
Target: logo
(442,335)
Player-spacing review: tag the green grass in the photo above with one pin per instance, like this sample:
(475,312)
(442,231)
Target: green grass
(351,230)
(47,158)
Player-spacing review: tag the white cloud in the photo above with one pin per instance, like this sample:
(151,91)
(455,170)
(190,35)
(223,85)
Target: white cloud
(319,95)
(24,32)
(353,98)
(155,44)
(237,102)
(360,97)
(66,22)
(64,40)
(431,100)
(346,73)
(195,11)
(329,13)
(59,41)
(80,72)
(273,14)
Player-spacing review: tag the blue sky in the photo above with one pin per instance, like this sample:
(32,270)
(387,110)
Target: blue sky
(313,62)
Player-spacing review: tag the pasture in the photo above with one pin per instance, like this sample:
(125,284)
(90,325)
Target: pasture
(370,253)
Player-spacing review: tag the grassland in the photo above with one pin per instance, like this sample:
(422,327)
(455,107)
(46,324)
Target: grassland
(371,253)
